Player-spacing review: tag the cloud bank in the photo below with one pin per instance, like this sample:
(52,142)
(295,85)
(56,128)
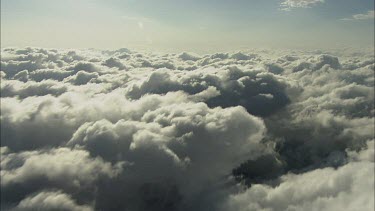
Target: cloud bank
(125,130)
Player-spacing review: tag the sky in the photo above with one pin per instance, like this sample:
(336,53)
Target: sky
(187,25)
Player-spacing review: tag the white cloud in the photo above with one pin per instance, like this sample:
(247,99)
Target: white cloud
(350,187)
(364,16)
(50,201)
(69,167)
(291,4)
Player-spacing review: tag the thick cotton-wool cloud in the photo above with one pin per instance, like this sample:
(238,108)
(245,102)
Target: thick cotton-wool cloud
(125,130)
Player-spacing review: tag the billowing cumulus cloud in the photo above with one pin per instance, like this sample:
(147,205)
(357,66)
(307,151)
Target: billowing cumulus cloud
(124,130)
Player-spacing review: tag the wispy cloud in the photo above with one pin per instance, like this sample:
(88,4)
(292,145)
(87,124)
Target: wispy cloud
(363,16)
(287,5)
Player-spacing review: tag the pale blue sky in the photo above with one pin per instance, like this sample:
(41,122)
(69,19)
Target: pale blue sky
(187,24)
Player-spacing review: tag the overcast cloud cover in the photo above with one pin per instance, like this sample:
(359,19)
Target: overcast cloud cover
(126,130)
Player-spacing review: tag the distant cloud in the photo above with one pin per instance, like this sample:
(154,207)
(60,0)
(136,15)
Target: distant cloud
(290,4)
(364,16)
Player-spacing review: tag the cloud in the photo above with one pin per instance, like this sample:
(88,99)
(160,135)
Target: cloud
(23,90)
(250,87)
(29,172)
(82,77)
(125,130)
(50,201)
(291,4)
(189,56)
(347,188)
(364,16)
(113,62)
(177,143)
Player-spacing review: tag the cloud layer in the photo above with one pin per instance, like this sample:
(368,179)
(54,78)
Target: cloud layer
(124,130)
